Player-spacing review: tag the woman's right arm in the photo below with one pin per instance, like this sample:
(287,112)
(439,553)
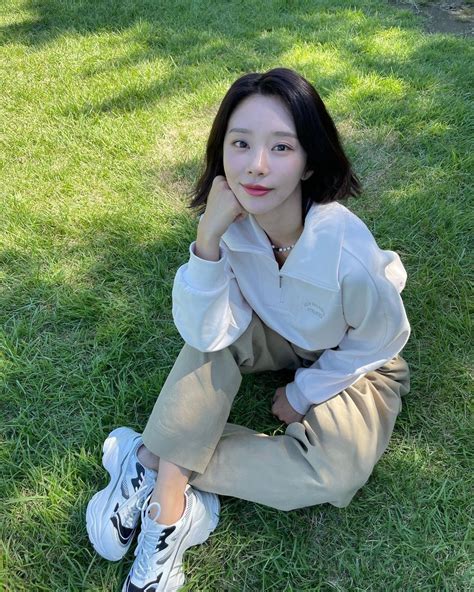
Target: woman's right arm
(209,310)
(207,247)
(222,208)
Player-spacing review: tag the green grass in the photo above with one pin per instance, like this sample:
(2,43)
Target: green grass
(105,108)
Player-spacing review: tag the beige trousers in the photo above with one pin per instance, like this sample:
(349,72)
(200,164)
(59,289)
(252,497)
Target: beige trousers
(325,458)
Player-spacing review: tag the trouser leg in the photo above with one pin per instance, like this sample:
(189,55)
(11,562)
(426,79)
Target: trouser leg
(191,412)
(325,458)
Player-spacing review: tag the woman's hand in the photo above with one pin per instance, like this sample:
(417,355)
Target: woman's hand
(282,409)
(222,208)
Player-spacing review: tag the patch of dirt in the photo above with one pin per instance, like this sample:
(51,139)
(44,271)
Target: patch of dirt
(456,17)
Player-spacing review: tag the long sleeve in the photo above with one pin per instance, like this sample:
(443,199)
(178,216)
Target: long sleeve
(378,329)
(208,309)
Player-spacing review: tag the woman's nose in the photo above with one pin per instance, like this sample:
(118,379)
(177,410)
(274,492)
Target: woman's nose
(258,164)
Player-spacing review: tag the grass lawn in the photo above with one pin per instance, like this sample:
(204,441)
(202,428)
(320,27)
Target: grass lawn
(105,109)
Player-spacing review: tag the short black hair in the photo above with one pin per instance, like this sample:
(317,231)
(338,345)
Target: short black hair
(333,178)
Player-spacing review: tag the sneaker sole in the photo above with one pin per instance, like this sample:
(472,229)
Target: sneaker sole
(96,529)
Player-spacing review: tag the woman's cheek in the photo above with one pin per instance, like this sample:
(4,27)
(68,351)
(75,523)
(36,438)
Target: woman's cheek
(233,184)
(230,175)
(227,169)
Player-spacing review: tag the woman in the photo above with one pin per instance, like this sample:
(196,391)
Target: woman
(280,275)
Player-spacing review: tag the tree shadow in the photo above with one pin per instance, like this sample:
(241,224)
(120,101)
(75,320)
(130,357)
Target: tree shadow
(209,35)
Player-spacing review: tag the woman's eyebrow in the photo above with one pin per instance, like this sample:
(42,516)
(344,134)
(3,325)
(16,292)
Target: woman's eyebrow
(242,130)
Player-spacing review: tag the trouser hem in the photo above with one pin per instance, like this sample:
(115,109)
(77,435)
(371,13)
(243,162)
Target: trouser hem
(168,446)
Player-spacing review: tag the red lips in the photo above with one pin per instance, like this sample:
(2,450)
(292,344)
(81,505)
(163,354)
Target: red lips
(256,190)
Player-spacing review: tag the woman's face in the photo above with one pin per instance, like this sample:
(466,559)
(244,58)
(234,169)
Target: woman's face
(261,148)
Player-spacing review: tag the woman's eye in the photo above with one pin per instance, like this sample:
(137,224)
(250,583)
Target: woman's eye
(243,144)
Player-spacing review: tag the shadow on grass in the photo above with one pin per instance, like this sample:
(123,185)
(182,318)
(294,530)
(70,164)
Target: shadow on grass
(91,356)
(86,355)
(219,34)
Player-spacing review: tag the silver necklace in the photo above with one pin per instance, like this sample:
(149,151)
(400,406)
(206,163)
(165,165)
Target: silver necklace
(280,249)
(283,249)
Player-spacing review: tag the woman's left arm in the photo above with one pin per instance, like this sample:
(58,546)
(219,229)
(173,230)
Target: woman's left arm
(378,329)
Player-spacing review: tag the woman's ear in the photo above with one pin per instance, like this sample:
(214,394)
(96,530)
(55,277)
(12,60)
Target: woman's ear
(307,175)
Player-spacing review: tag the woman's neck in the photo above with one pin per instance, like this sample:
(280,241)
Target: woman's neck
(282,230)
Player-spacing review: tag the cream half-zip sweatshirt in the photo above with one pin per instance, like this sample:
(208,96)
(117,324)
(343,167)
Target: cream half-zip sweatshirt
(337,294)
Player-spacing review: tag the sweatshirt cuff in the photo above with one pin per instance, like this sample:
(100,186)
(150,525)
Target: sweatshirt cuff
(205,275)
(296,398)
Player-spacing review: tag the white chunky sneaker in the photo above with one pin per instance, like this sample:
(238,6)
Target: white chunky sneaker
(158,563)
(113,513)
